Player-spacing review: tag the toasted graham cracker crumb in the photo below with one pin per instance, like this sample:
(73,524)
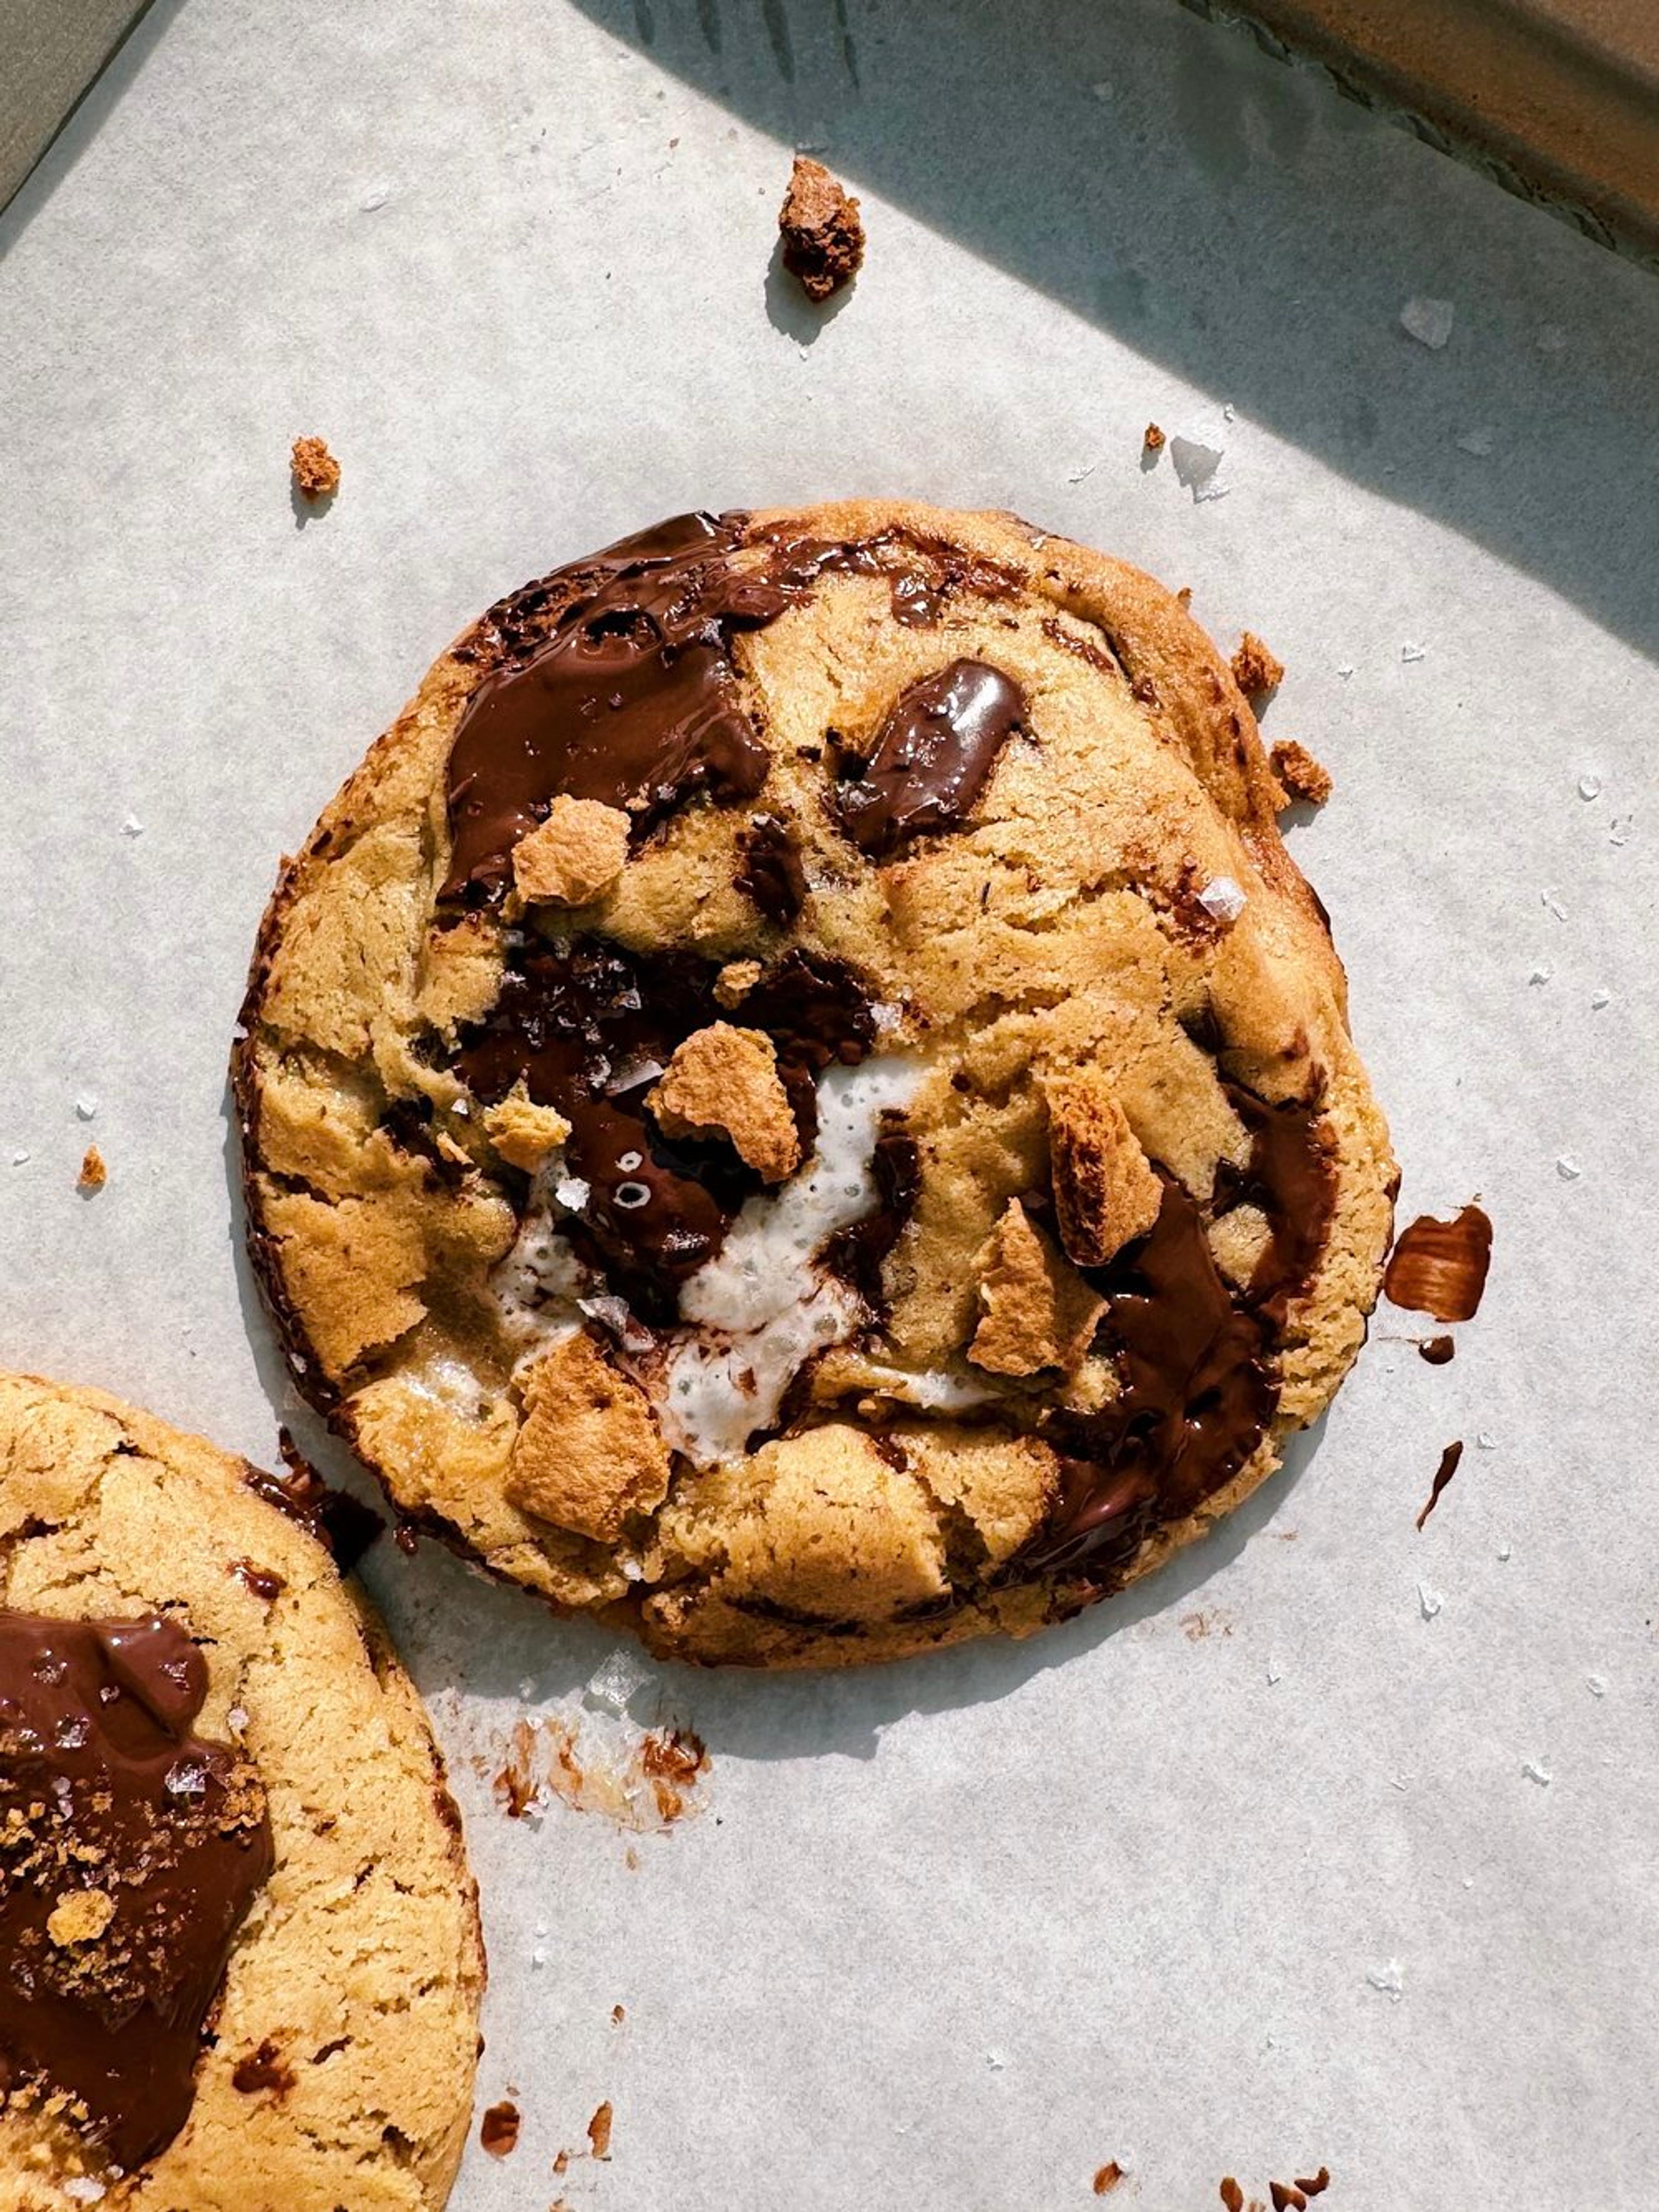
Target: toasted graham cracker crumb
(577,854)
(1256,669)
(727,1079)
(316,471)
(736,981)
(522,1132)
(1036,1309)
(80,1916)
(1300,774)
(823,232)
(1154,439)
(1105,1191)
(94,1173)
(589,1452)
(598,2130)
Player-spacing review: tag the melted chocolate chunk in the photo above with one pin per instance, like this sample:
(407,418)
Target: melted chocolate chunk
(1439,1267)
(770,872)
(627,694)
(1438,1351)
(1194,1358)
(130,1853)
(930,761)
(343,1526)
(857,1252)
(575,1022)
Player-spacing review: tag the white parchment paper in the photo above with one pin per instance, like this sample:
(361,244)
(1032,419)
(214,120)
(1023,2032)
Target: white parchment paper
(1335,1845)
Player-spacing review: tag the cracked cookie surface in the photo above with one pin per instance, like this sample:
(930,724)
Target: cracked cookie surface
(240,1957)
(796,1099)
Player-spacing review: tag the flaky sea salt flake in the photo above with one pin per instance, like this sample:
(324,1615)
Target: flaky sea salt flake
(132,827)
(1477,442)
(1552,905)
(1539,975)
(619,1676)
(1535,1771)
(1599,999)
(1411,650)
(1568,1170)
(1589,787)
(571,1193)
(1429,321)
(1596,1685)
(85,1109)
(1486,1440)
(1429,1600)
(1389,1979)
(1222,898)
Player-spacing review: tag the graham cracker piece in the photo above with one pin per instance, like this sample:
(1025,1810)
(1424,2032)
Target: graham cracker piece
(727,1080)
(1105,1191)
(524,1134)
(575,855)
(1036,1309)
(589,1452)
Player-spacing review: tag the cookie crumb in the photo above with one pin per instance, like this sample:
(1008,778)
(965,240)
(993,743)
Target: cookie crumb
(498,2132)
(618,2014)
(1256,668)
(93,1174)
(80,1916)
(598,2130)
(1300,774)
(1320,2183)
(1107,2177)
(1231,2194)
(725,1081)
(1153,439)
(822,232)
(575,855)
(735,981)
(316,471)
(589,1451)
(1286,2196)
(524,1135)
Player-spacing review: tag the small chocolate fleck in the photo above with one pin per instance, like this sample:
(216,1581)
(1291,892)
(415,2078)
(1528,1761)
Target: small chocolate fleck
(598,2130)
(1231,2194)
(1439,1267)
(1286,2198)
(618,2013)
(265,1583)
(1444,1474)
(1438,1351)
(1107,2177)
(1318,2185)
(498,2132)
(261,2070)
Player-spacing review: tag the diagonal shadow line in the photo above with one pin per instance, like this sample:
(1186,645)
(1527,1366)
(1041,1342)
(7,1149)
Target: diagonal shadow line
(1229,218)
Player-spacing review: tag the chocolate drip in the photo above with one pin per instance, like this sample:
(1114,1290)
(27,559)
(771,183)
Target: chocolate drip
(1439,1267)
(931,760)
(1449,1460)
(344,1527)
(771,872)
(627,695)
(573,1022)
(1195,1360)
(130,1853)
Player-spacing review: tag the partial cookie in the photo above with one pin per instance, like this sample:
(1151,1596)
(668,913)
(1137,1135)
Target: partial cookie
(797,1097)
(240,1956)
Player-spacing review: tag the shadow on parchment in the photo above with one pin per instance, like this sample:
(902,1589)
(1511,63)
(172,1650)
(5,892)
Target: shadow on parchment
(1232,217)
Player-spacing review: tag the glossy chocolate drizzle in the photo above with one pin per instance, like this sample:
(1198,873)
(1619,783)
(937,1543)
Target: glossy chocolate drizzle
(104,1792)
(931,757)
(627,695)
(1195,1359)
(588,1027)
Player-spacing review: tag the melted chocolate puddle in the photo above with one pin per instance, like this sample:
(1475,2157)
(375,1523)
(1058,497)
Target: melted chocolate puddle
(1195,1358)
(575,1022)
(1439,1267)
(130,1852)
